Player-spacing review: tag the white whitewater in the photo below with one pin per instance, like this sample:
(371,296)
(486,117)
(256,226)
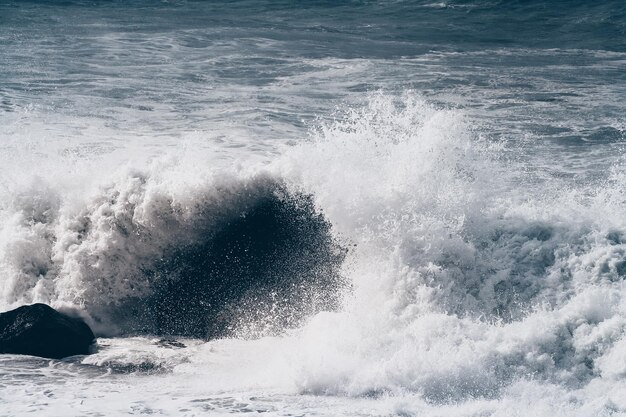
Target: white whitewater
(476,289)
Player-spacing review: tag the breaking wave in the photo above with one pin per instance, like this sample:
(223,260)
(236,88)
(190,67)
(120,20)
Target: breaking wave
(464,278)
(139,258)
(469,275)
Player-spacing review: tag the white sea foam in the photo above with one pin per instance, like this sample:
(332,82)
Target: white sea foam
(474,290)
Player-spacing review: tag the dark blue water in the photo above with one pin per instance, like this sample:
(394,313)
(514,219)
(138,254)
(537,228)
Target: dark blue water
(547,69)
(351,29)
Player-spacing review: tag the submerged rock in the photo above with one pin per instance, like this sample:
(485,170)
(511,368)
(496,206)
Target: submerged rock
(170,343)
(40,330)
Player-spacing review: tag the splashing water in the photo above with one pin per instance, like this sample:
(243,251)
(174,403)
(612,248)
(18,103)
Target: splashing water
(471,290)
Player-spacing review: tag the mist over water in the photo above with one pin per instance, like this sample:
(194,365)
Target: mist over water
(377,208)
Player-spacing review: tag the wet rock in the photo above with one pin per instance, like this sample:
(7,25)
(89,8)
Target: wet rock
(40,330)
(170,343)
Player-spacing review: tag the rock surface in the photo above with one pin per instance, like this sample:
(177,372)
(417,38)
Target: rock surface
(40,330)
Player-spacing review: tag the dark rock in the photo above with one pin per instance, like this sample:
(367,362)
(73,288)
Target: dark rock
(40,330)
(170,343)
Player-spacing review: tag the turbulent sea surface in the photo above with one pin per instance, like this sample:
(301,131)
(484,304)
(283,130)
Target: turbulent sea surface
(303,208)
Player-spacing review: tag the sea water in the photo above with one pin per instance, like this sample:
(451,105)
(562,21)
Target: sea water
(308,208)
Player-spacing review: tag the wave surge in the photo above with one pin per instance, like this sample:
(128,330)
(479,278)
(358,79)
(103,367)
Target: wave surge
(233,256)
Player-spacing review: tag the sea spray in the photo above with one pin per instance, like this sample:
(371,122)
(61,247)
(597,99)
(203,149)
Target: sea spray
(465,284)
(139,256)
(460,288)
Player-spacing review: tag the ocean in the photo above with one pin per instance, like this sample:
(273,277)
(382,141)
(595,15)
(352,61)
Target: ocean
(317,208)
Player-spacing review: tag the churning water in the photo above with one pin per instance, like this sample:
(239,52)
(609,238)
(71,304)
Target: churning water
(317,208)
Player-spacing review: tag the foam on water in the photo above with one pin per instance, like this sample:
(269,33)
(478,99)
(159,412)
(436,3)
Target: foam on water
(474,290)
(461,287)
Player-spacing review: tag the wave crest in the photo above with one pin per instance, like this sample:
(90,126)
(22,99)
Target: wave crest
(142,256)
